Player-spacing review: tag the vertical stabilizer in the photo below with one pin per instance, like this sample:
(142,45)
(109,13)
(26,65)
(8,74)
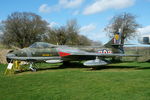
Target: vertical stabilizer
(115,43)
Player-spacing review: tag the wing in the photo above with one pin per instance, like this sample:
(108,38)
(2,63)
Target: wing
(107,55)
(34,58)
(90,56)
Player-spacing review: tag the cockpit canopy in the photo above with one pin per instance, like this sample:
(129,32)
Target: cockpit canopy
(42,45)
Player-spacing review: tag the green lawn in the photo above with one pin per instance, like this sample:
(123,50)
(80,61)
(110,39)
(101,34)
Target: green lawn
(123,81)
(2,46)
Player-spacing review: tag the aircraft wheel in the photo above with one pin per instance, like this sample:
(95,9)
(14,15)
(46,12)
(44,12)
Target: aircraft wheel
(8,60)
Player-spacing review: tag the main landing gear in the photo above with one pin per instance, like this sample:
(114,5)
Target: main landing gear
(31,67)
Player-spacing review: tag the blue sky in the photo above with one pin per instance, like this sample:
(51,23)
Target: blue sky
(92,15)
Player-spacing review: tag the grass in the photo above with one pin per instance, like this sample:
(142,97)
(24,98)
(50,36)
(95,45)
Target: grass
(122,81)
(2,46)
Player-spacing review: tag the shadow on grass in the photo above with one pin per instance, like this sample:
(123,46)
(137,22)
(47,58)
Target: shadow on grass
(144,68)
(80,65)
(56,67)
(70,65)
(115,67)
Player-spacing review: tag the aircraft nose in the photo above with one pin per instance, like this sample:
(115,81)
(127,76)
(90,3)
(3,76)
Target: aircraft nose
(8,57)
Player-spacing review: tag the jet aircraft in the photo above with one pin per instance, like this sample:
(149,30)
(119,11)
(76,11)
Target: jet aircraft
(41,51)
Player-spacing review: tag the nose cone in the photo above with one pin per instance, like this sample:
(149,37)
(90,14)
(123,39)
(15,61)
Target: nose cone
(9,55)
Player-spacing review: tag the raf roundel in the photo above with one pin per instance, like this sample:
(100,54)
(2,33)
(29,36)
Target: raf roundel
(105,51)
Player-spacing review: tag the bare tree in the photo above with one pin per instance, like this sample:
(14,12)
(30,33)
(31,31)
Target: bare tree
(127,23)
(72,29)
(56,36)
(22,29)
(83,40)
(66,35)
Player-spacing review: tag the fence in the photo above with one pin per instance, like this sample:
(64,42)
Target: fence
(144,51)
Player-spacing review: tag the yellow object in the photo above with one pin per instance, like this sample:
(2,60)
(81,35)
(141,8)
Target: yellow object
(17,64)
(46,55)
(12,67)
(117,36)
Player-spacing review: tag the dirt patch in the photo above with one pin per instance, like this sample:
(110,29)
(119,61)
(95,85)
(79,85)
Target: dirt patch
(3,53)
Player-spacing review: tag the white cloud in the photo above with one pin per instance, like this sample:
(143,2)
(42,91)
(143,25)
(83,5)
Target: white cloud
(70,3)
(53,24)
(101,5)
(87,29)
(76,12)
(44,8)
(92,33)
(144,30)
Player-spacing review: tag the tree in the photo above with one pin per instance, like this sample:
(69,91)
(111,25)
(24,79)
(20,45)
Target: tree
(126,22)
(72,30)
(66,35)
(56,36)
(83,40)
(74,38)
(22,29)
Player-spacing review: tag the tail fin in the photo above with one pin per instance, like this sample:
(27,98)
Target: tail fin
(115,43)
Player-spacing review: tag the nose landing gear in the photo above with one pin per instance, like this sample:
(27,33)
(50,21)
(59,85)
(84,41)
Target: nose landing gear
(31,67)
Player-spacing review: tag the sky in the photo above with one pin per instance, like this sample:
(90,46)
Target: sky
(92,15)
